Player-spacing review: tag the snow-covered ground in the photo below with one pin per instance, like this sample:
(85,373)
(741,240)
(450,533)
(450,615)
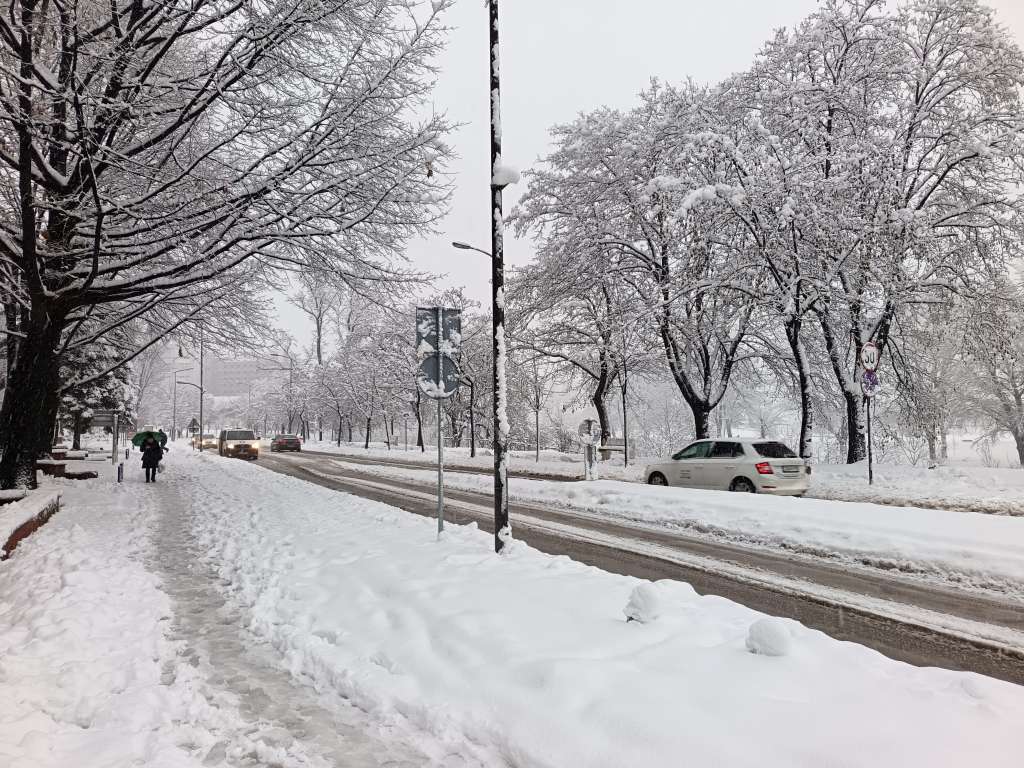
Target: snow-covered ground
(106,656)
(84,659)
(529,657)
(963,484)
(993,490)
(966,549)
(555,463)
(116,650)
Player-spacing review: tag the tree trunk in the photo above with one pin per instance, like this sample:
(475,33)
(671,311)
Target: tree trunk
(856,447)
(1018,438)
(31,399)
(419,424)
(366,444)
(804,441)
(76,440)
(701,420)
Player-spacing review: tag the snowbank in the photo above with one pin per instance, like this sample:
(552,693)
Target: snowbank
(530,658)
(979,489)
(959,486)
(38,505)
(967,549)
(554,463)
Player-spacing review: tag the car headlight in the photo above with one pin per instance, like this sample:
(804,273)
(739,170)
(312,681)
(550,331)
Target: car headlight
(231,445)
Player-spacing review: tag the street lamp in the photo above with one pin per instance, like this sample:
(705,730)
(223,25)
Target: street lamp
(174,408)
(199,386)
(500,431)
(201,394)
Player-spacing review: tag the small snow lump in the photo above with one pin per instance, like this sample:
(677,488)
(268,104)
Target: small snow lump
(769,637)
(644,604)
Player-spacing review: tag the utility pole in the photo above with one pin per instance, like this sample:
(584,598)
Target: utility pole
(502,530)
(201,391)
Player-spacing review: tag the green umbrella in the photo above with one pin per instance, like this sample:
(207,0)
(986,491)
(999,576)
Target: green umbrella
(140,437)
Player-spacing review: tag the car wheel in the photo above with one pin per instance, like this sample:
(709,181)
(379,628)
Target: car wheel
(657,478)
(742,485)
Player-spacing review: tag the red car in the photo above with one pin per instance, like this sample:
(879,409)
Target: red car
(286,443)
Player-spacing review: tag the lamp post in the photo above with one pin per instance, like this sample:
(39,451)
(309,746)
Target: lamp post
(199,386)
(201,393)
(174,407)
(500,431)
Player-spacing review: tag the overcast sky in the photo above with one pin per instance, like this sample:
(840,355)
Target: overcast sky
(562,57)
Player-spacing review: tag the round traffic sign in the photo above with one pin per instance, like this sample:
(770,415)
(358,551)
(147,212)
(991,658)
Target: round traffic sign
(869,356)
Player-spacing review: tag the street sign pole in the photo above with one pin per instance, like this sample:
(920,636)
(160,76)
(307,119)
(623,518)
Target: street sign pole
(113,448)
(440,438)
(440,473)
(438,339)
(871,474)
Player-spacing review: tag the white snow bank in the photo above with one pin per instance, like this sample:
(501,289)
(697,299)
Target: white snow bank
(82,650)
(530,658)
(995,490)
(976,550)
(554,463)
(979,489)
(15,514)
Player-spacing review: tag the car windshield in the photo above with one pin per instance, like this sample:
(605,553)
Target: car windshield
(287,437)
(694,451)
(774,450)
(239,434)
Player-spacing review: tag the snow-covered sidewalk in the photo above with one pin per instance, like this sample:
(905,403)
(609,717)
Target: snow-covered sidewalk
(979,551)
(117,648)
(529,658)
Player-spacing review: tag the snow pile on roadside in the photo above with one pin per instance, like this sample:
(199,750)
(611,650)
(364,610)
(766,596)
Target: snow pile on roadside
(554,463)
(84,662)
(991,490)
(530,657)
(974,550)
(17,513)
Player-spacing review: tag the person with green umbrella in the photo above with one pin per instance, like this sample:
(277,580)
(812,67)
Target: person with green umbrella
(152,453)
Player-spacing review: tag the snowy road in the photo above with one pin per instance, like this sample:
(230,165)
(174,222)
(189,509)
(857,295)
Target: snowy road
(916,622)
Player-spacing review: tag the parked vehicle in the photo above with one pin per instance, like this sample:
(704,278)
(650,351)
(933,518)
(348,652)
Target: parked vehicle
(238,443)
(209,441)
(286,443)
(734,464)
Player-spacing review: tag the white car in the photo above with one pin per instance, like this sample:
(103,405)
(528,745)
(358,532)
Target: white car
(734,464)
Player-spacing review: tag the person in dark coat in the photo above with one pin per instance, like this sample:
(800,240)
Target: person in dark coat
(151,455)
(162,437)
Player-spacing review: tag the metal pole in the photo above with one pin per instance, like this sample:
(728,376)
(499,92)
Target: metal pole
(440,466)
(113,447)
(405,426)
(871,473)
(502,530)
(625,423)
(201,423)
(174,410)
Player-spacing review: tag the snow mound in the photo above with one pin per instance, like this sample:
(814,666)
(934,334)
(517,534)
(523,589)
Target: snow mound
(769,637)
(644,604)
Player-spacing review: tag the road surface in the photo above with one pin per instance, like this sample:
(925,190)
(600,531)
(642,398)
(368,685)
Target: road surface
(911,621)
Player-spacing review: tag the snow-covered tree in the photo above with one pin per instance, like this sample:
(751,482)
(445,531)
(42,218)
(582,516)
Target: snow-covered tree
(156,153)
